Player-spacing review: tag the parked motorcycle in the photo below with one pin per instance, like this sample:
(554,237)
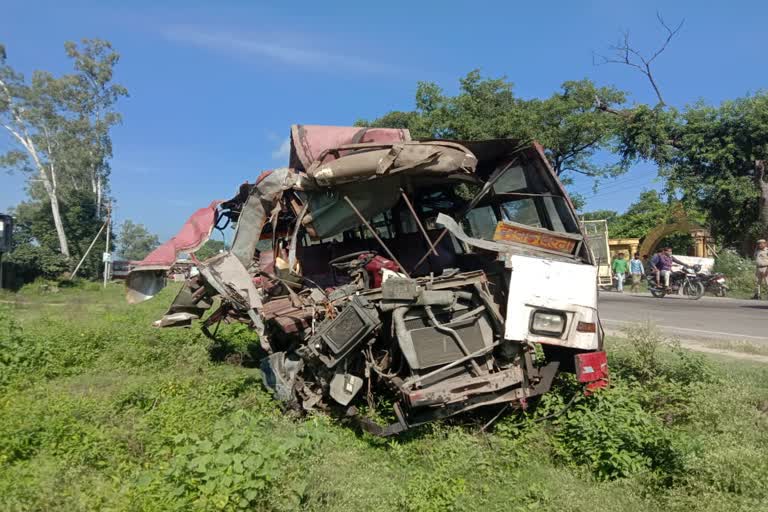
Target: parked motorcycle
(686,281)
(714,283)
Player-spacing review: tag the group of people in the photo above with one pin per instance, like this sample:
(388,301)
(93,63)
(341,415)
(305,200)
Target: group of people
(660,265)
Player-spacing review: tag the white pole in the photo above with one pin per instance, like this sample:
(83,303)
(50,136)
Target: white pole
(74,273)
(106,251)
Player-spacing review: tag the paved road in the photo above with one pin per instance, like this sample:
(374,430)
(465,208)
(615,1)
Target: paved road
(707,319)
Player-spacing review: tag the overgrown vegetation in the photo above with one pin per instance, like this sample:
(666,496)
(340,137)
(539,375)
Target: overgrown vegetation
(740,271)
(100,411)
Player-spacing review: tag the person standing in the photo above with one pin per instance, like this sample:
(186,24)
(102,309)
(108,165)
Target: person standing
(655,264)
(619,267)
(636,269)
(761,267)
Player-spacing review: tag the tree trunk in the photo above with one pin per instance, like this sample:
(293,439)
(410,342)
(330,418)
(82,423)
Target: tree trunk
(762,187)
(98,197)
(63,244)
(50,189)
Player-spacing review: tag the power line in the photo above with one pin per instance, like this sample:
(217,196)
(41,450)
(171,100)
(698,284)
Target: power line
(614,187)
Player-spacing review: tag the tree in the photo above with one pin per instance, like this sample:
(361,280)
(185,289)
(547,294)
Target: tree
(608,215)
(626,54)
(716,156)
(36,246)
(61,129)
(647,212)
(135,241)
(31,114)
(642,216)
(567,124)
(94,97)
(210,248)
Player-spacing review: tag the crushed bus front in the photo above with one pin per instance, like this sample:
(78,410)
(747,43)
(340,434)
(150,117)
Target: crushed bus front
(375,266)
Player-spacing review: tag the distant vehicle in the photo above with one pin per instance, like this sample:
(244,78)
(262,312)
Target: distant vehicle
(715,283)
(378,268)
(685,281)
(121,269)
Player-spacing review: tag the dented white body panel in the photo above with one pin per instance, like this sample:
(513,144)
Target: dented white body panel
(543,284)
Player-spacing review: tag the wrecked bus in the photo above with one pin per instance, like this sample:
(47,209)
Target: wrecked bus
(374,266)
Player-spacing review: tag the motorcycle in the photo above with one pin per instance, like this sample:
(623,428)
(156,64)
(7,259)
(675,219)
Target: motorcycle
(714,284)
(686,281)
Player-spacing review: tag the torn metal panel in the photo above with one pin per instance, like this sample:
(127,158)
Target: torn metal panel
(308,142)
(190,238)
(261,201)
(329,214)
(417,158)
(147,276)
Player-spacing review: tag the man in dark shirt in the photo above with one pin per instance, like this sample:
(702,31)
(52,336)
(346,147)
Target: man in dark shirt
(664,265)
(654,265)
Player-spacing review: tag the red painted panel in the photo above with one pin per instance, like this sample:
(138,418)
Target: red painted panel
(190,238)
(592,366)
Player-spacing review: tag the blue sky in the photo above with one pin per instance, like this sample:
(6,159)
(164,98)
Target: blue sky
(214,87)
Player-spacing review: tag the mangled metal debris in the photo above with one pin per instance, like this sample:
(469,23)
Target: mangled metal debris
(378,266)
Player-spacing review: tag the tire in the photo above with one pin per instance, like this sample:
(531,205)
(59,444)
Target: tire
(658,293)
(694,290)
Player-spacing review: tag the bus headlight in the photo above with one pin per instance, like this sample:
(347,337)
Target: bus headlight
(548,323)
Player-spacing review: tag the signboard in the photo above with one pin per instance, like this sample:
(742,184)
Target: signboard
(512,232)
(106,257)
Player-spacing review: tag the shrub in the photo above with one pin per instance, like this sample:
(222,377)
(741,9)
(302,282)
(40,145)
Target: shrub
(647,356)
(611,434)
(11,343)
(740,271)
(240,466)
(236,343)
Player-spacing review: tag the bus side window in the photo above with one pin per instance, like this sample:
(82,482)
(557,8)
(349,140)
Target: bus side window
(480,223)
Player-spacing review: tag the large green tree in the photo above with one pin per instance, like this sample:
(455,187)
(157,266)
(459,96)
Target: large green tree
(715,156)
(567,123)
(648,211)
(36,248)
(136,241)
(59,127)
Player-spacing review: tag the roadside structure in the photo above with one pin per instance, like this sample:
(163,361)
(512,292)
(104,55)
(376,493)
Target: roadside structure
(6,233)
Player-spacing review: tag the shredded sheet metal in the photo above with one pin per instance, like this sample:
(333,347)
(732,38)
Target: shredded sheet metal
(192,235)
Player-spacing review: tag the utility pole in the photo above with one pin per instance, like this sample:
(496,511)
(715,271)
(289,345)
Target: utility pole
(6,232)
(107,256)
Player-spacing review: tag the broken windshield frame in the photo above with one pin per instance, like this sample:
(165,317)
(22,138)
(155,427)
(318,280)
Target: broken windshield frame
(520,195)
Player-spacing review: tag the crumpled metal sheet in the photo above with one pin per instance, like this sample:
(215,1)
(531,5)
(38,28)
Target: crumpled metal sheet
(417,158)
(264,195)
(308,142)
(147,277)
(192,235)
(328,213)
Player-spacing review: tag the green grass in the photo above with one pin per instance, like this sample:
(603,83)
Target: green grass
(744,347)
(100,411)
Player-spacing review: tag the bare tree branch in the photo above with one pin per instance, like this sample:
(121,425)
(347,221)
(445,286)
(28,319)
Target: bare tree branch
(624,53)
(585,173)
